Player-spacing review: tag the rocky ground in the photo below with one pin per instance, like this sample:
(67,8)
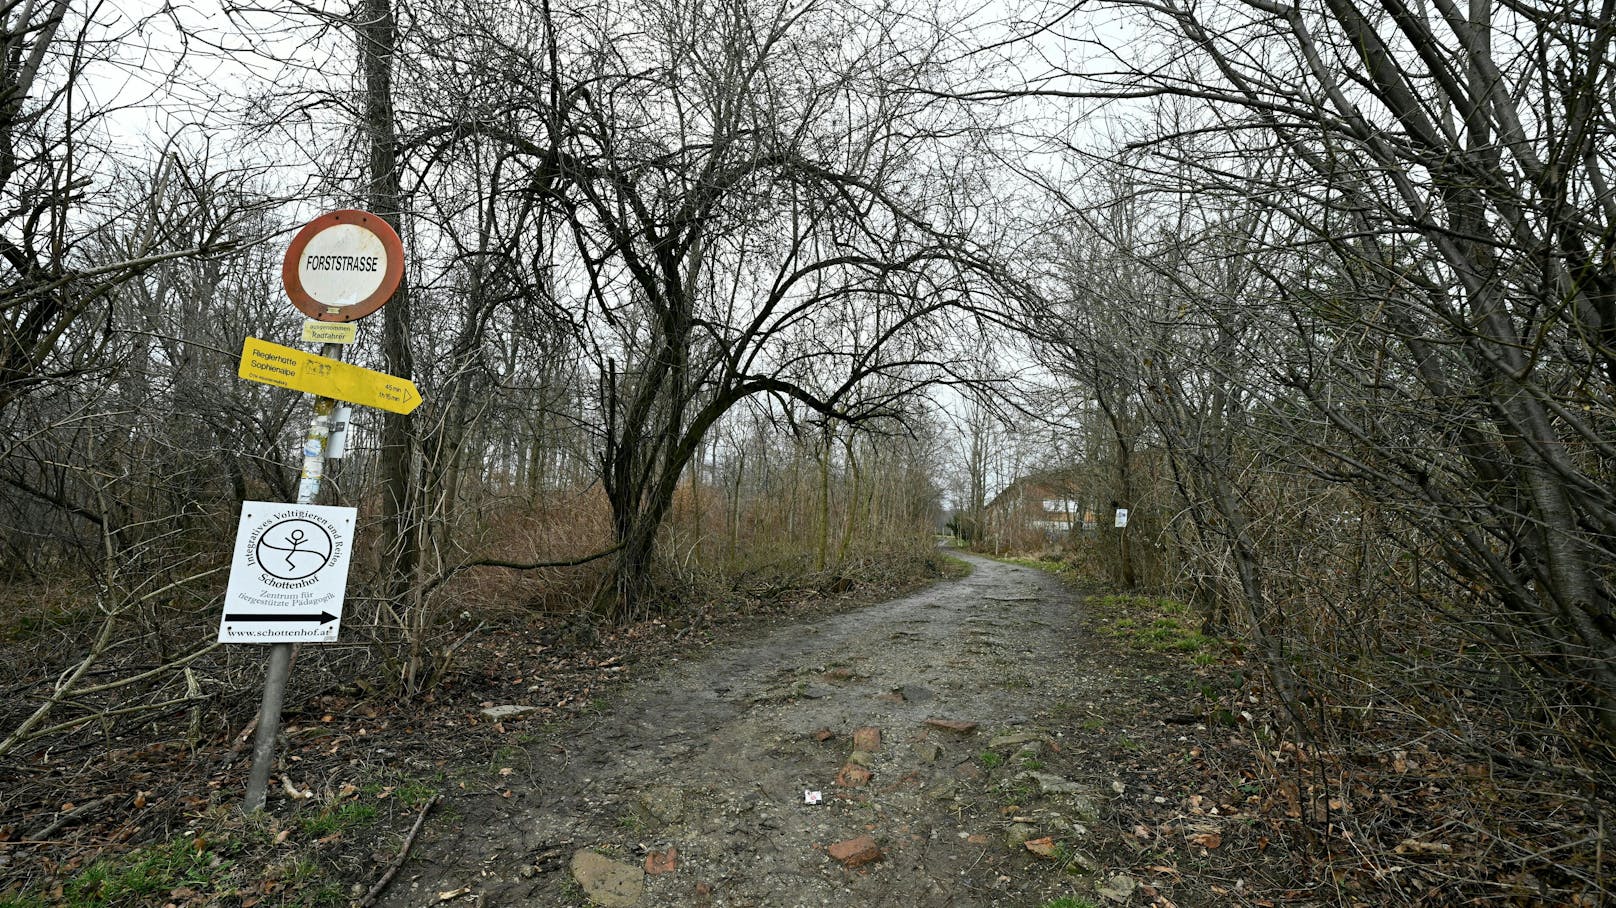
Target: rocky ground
(918,752)
(1008,738)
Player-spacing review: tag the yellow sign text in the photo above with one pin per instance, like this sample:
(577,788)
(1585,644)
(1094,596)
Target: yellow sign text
(284,367)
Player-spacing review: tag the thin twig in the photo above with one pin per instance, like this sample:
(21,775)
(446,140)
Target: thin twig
(403,855)
(240,744)
(72,724)
(132,679)
(516,566)
(72,816)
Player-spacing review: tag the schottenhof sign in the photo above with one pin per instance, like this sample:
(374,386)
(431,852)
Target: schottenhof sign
(289,574)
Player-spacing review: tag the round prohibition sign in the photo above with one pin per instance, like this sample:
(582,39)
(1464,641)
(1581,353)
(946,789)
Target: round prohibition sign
(343,265)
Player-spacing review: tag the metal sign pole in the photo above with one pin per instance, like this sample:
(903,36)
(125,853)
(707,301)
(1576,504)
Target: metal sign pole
(315,444)
(1122,546)
(341,267)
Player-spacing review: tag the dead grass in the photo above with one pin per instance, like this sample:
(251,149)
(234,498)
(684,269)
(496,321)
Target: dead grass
(153,792)
(1394,803)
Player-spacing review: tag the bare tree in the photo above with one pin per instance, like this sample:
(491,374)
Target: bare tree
(56,176)
(728,202)
(1425,201)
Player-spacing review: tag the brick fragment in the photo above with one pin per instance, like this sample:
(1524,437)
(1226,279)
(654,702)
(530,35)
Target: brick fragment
(867,738)
(954,725)
(855,852)
(661,861)
(853,776)
(1044,847)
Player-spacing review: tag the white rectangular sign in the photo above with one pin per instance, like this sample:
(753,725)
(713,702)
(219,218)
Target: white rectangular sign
(1122,517)
(289,573)
(318,332)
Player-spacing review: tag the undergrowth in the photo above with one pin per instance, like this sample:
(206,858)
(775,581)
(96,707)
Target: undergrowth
(224,857)
(1389,780)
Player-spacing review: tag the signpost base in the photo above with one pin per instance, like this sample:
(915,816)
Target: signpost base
(269,725)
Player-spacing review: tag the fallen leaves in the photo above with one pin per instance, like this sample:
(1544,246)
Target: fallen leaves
(1166,870)
(1418,849)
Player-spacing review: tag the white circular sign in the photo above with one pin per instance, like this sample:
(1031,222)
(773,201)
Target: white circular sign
(342,265)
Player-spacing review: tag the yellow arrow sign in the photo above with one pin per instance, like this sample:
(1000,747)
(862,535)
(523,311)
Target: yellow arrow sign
(285,367)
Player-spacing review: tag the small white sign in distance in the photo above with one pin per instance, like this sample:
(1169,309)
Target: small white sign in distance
(289,573)
(1122,517)
(342,265)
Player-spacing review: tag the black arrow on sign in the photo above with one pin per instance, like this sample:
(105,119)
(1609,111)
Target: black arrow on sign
(323,617)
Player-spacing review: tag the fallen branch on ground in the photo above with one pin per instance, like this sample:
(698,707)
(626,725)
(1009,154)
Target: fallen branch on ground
(403,855)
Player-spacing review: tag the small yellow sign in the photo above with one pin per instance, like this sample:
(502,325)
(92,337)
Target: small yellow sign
(284,367)
(318,332)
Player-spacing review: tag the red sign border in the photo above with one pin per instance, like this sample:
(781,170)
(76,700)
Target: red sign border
(391,278)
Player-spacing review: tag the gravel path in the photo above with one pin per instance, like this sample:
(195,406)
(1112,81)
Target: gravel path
(705,765)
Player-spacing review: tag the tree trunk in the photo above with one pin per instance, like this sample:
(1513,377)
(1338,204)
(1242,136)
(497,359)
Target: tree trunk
(822,553)
(378,38)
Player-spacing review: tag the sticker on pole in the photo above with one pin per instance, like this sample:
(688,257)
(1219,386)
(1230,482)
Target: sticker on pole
(289,573)
(343,266)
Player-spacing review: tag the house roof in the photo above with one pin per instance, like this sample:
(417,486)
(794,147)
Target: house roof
(1064,480)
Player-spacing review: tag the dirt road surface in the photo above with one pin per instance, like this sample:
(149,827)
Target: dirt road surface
(931,727)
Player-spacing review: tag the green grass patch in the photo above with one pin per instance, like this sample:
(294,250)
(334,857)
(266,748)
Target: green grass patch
(343,817)
(631,822)
(990,759)
(1156,624)
(956,568)
(226,857)
(145,875)
(215,871)
(1052,567)
(416,794)
(1049,564)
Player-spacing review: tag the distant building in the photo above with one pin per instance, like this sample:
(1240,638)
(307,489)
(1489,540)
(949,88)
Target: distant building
(1037,510)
